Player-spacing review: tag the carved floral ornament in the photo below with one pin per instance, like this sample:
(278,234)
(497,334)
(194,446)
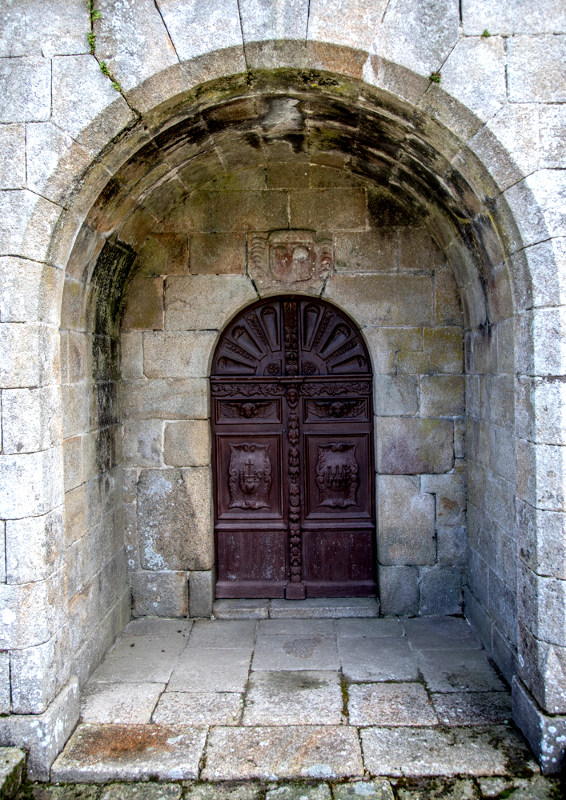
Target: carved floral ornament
(290,258)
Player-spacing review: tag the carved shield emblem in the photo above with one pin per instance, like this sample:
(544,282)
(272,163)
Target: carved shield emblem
(249,476)
(337,475)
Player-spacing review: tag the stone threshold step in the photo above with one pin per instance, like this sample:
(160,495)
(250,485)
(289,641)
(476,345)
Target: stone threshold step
(314,608)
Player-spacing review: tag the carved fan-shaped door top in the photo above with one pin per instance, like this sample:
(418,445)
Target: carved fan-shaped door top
(293,453)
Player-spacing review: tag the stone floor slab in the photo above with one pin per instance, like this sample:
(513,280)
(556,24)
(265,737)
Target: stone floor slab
(434,789)
(293,698)
(282,752)
(425,751)
(377,659)
(141,791)
(200,708)
(292,627)
(458,671)
(396,704)
(441,633)
(473,708)
(125,703)
(295,652)
(99,753)
(299,791)
(222,633)
(12,771)
(364,790)
(211,669)
(158,626)
(141,659)
(368,628)
(320,608)
(241,609)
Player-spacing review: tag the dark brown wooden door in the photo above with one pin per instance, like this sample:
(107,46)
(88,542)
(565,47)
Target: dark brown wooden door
(292,418)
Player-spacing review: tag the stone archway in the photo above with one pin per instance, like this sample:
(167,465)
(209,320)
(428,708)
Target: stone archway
(292,421)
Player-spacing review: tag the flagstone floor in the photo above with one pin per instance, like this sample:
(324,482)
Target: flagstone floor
(331,700)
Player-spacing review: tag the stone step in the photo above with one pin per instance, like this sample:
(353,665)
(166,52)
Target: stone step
(12,771)
(313,608)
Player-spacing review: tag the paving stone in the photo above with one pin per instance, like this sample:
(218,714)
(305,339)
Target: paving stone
(379,789)
(282,752)
(158,626)
(473,708)
(426,789)
(241,609)
(141,791)
(293,698)
(217,633)
(394,704)
(440,633)
(127,703)
(98,753)
(368,628)
(211,669)
(383,659)
(318,608)
(12,771)
(141,659)
(324,627)
(201,708)
(299,791)
(458,671)
(295,652)
(459,751)
(535,788)
(70,791)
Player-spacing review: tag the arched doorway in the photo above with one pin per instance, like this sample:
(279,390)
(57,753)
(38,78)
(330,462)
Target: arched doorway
(292,419)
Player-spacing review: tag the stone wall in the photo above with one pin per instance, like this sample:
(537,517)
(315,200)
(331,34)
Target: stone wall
(192,275)
(94,160)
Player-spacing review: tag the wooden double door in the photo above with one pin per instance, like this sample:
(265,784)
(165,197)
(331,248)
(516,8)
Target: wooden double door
(292,415)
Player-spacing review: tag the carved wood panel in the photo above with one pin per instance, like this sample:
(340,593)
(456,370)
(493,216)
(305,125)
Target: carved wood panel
(293,453)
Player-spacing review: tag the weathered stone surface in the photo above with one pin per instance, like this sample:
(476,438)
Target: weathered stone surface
(231,790)
(33,547)
(166,399)
(395,395)
(299,791)
(13,167)
(5,699)
(195,31)
(26,224)
(290,627)
(44,734)
(163,594)
(143,443)
(473,708)
(293,652)
(97,753)
(26,31)
(482,62)
(408,538)
(240,609)
(140,791)
(368,628)
(552,126)
(458,671)
(139,660)
(118,29)
(410,751)
(379,789)
(218,253)
(27,290)
(376,300)
(441,633)
(441,590)
(26,87)
(216,633)
(328,209)
(178,355)
(320,608)
(201,593)
(201,708)
(398,590)
(413,38)
(366,251)
(282,752)
(261,21)
(293,698)
(545,84)
(158,626)
(546,735)
(392,704)
(384,659)
(80,92)
(126,703)
(174,519)
(188,298)
(384,344)
(187,443)
(144,307)
(442,395)
(499,16)
(31,613)
(413,446)
(211,669)
(441,352)
(39,673)
(12,771)
(364,17)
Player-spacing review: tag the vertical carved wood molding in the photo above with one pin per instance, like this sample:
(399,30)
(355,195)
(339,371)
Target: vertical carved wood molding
(293,467)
